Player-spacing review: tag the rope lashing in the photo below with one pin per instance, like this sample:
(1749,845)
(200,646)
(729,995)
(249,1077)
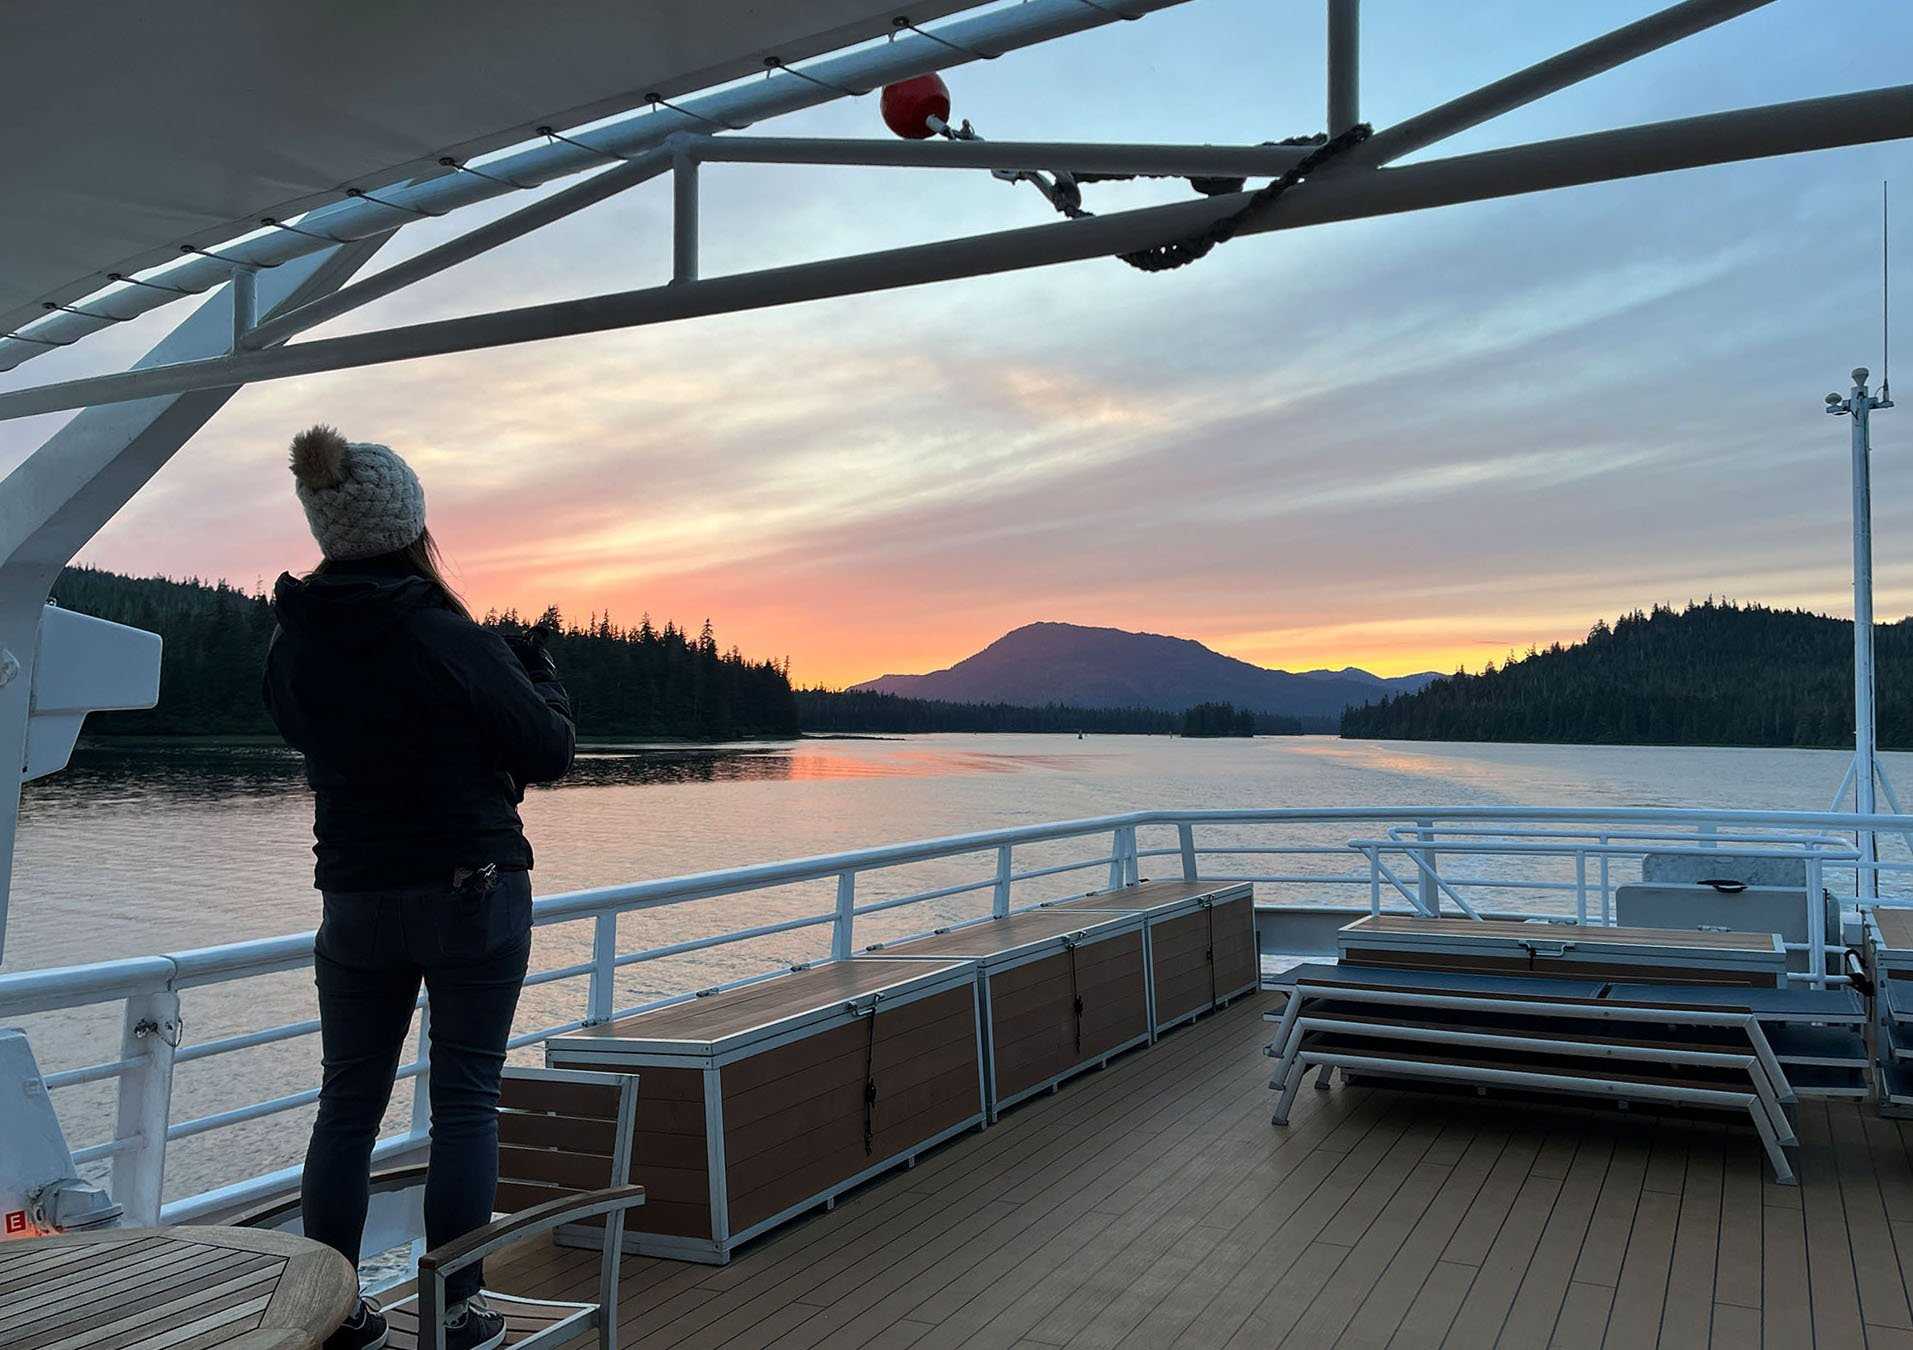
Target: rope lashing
(37,341)
(659,101)
(230,262)
(362,195)
(1176,253)
(902,21)
(772,63)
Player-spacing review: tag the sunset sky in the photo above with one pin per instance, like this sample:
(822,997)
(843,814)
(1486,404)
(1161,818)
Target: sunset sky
(1404,443)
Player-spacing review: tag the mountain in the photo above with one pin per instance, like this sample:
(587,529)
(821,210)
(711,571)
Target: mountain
(1716,673)
(1045,663)
(1394,684)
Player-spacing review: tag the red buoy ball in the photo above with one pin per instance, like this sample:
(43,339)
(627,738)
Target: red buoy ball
(909,105)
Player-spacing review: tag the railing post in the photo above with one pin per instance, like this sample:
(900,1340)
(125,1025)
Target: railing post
(1000,898)
(1430,890)
(1580,886)
(1116,867)
(150,1036)
(1607,892)
(1186,841)
(1706,832)
(1816,923)
(840,935)
(1374,880)
(422,1084)
(604,969)
(1125,869)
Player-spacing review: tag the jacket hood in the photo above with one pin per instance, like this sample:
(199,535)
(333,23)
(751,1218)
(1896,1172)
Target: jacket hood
(350,605)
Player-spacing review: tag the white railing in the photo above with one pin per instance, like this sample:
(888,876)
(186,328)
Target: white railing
(150,988)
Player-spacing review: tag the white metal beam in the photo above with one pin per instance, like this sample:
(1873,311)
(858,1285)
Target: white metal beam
(1545,77)
(1176,161)
(786,90)
(1846,119)
(61,494)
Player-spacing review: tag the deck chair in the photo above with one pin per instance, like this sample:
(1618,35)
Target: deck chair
(564,1157)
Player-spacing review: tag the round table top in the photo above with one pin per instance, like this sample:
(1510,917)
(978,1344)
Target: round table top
(134,1288)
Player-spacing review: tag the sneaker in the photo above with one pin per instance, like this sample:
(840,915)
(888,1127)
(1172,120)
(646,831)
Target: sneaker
(473,1326)
(363,1330)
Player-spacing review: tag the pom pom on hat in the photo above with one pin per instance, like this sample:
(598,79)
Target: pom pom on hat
(360,499)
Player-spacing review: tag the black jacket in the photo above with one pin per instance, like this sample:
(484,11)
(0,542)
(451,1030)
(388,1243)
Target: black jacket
(419,727)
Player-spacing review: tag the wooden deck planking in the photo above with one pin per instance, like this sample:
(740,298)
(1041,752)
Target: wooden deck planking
(1152,1205)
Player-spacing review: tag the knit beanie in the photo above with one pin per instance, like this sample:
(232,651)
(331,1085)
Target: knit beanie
(361,500)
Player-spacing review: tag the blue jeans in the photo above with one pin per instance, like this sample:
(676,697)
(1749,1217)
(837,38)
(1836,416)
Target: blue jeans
(373,950)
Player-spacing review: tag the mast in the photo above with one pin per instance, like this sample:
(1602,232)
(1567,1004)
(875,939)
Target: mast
(1865,772)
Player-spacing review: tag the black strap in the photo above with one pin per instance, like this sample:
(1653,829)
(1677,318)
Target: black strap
(1211,907)
(870,1083)
(1075,998)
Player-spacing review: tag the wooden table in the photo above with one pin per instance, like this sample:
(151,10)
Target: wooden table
(181,1288)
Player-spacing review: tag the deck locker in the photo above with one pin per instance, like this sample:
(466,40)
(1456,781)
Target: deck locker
(763,1102)
(1060,993)
(1200,940)
(1513,947)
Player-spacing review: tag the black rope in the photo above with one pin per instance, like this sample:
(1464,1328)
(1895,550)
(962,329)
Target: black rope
(37,341)
(360,194)
(149,285)
(221,258)
(447,162)
(870,1084)
(52,308)
(772,63)
(902,21)
(314,235)
(1180,252)
(1210,906)
(1075,998)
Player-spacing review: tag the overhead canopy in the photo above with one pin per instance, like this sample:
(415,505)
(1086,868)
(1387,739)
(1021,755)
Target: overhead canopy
(135,128)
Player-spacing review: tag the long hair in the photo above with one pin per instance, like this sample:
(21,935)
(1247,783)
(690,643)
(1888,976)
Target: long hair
(420,558)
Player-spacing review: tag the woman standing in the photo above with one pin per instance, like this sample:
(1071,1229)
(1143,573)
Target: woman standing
(420,729)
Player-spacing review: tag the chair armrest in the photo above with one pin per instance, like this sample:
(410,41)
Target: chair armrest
(481,1242)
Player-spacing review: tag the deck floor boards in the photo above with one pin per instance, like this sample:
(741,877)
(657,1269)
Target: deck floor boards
(1151,1204)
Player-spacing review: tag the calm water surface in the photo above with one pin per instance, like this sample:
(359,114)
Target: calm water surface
(139,850)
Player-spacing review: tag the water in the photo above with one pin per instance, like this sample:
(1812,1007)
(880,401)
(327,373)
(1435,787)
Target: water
(142,849)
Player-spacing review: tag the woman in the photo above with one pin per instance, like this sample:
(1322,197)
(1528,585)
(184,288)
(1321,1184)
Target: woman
(420,729)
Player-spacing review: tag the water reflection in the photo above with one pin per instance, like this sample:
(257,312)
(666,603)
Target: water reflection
(121,772)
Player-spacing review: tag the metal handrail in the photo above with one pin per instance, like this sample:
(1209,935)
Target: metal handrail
(1422,832)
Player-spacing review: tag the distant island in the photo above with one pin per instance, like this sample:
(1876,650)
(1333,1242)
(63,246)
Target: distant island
(1713,673)
(1045,663)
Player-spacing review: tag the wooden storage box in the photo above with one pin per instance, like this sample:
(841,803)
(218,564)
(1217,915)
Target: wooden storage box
(1060,993)
(1507,946)
(762,1102)
(1199,937)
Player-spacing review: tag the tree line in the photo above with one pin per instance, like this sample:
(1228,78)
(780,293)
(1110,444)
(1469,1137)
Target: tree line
(625,682)
(1713,673)
(855,710)
(1218,719)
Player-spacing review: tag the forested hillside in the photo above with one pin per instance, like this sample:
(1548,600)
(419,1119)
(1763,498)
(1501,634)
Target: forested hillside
(636,682)
(853,710)
(1715,673)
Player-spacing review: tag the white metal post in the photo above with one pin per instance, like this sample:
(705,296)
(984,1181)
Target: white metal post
(1186,845)
(1430,887)
(604,969)
(1344,65)
(683,217)
(1866,771)
(150,1038)
(1000,896)
(422,1083)
(840,934)
(245,304)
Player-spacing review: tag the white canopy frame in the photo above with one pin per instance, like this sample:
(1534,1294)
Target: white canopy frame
(137,419)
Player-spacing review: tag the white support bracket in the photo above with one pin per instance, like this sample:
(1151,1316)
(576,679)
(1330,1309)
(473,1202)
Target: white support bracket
(149,1040)
(684,200)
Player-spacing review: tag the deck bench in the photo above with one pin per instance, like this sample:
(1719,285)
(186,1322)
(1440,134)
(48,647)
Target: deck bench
(1699,1047)
(1199,938)
(768,1100)
(1060,992)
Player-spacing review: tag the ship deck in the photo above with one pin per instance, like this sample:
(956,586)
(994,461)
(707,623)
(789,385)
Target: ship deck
(1152,1204)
